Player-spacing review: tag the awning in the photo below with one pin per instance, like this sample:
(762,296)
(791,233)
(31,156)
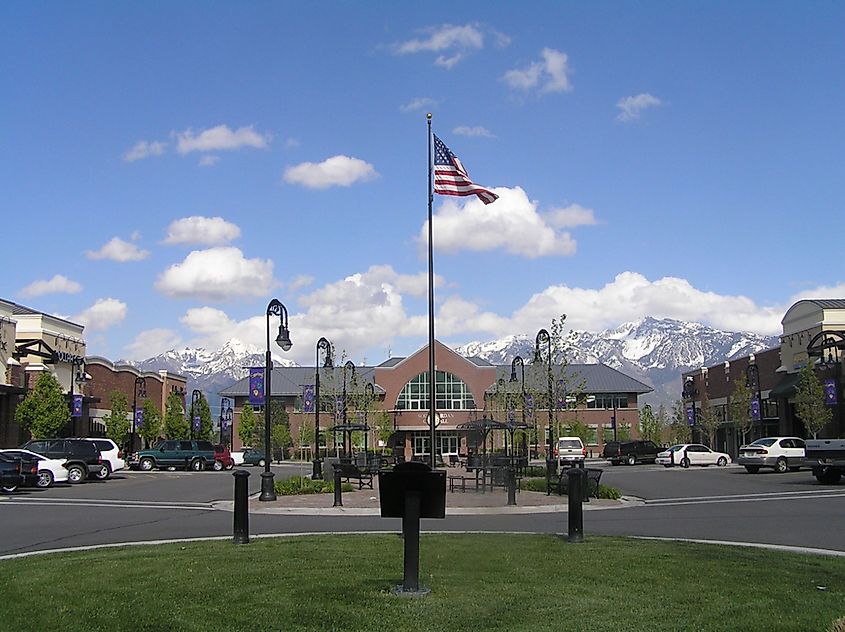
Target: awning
(786,387)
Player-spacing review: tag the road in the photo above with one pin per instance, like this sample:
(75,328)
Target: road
(701,503)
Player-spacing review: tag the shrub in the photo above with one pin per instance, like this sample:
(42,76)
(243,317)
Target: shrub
(611,493)
(535,470)
(533,484)
(297,485)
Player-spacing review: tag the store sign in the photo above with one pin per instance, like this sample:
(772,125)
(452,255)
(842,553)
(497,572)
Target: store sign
(66,356)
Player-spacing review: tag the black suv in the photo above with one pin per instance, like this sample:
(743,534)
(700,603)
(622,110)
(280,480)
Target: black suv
(630,452)
(83,457)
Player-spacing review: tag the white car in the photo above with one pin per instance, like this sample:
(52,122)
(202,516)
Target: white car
(112,457)
(570,451)
(238,457)
(49,470)
(778,453)
(686,454)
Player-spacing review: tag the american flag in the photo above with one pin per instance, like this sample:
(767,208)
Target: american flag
(450,177)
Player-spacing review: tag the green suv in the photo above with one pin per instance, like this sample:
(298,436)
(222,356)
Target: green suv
(189,455)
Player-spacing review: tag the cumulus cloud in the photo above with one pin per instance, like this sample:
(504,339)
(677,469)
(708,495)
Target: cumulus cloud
(118,250)
(152,342)
(217,274)
(450,42)
(418,104)
(571,216)
(220,138)
(299,282)
(464,130)
(631,107)
(59,284)
(206,231)
(103,314)
(335,171)
(144,149)
(550,74)
(511,224)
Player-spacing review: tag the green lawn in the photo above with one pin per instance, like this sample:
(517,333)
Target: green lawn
(478,582)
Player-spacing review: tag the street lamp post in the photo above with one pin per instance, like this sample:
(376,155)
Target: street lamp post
(551,469)
(326,346)
(142,383)
(349,365)
(752,381)
(519,362)
(275,308)
(196,396)
(369,391)
(689,393)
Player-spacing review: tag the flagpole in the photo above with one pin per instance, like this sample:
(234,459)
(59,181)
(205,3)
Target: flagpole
(432,384)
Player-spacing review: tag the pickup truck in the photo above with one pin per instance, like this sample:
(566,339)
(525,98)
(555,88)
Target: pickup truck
(826,458)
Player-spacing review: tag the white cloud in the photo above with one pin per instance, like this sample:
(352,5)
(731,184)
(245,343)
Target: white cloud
(208,161)
(452,42)
(118,250)
(335,171)
(143,149)
(571,216)
(299,282)
(512,224)
(217,274)
(103,314)
(418,104)
(206,231)
(632,106)
(220,138)
(153,342)
(57,285)
(551,74)
(464,130)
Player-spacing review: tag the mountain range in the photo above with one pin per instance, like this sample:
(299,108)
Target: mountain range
(653,351)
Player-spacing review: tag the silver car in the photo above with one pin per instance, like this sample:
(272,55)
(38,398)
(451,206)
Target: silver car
(779,453)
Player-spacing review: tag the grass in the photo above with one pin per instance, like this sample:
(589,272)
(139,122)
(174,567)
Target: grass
(478,582)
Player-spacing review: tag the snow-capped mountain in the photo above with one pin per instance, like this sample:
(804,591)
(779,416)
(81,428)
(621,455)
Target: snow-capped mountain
(654,351)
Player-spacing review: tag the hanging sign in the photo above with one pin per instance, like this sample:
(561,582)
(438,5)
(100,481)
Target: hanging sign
(196,423)
(691,416)
(308,398)
(139,417)
(529,406)
(830,392)
(256,386)
(755,408)
(76,407)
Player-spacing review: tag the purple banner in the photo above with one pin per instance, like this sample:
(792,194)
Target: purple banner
(338,405)
(755,408)
(830,392)
(197,421)
(256,386)
(561,394)
(76,407)
(139,418)
(529,407)
(511,415)
(691,416)
(613,422)
(225,423)
(308,398)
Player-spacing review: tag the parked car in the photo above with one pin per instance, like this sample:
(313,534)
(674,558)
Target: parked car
(190,455)
(10,473)
(630,452)
(779,453)
(222,458)
(253,456)
(48,471)
(686,454)
(570,451)
(83,457)
(111,454)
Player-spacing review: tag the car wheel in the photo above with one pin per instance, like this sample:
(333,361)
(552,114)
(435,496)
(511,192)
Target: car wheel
(261,462)
(752,469)
(146,465)
(722,462)
(8,489)
(75,474)
(230,466)
(196,465)
(45,479)
(103,473)
(218,466)
(632,460)
(828,477)
(685,462)
(780,466)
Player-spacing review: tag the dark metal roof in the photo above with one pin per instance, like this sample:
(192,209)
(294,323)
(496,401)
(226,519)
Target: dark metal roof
(479,361)
(289,380)
(23,310)
(588,378)
(391,362)
(828,303)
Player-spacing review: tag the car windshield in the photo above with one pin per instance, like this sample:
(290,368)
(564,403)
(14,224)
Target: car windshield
(764,442)
(569,443)
(675,448)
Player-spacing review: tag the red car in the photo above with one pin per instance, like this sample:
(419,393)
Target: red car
(222,458)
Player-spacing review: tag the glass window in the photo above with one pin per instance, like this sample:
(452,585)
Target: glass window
(451,393)
(185,445)
(606,401)
(421,443)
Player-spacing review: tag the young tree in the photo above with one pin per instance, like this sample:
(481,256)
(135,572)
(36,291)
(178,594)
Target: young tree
(44,411)
(279,440)
(305,435)
(650,426)
(383,426)
(740,407)
(679,430)
(662,420)
(578,428)
(175,424)
(809,401)
(709,420)
(150,429)
(246,424)
(204,412)
(117,422)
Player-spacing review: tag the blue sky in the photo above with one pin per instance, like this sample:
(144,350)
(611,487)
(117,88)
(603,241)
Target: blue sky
(169,167)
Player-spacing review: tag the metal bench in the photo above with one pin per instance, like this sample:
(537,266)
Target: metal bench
(460,482)
(349,471)
(593,478)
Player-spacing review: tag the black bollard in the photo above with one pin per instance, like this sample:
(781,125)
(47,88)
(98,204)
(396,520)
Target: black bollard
(551,474)
(576,488)
(338,489)
(511,486)
(241,527)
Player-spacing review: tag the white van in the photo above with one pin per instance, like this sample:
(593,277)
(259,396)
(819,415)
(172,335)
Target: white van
(570,451)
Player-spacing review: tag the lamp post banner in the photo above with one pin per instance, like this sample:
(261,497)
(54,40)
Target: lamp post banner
(755,408)
(76,408)
(561,395)
(256,386)
(308,399)
(196,422)
(691,416)
(338,405)
(830,392)
(139,417)
(529,406)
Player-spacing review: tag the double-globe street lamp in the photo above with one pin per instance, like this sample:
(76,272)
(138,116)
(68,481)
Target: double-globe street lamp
(519,362)
(328,362)
(551,469)
(275,308)
(140,390)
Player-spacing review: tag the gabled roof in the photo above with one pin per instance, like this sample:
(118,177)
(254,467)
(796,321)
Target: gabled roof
(287,381)
(588,378)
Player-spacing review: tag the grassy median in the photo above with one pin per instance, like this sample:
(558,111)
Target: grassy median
(478,582)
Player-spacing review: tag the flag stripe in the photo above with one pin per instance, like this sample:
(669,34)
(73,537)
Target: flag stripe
(450,177)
